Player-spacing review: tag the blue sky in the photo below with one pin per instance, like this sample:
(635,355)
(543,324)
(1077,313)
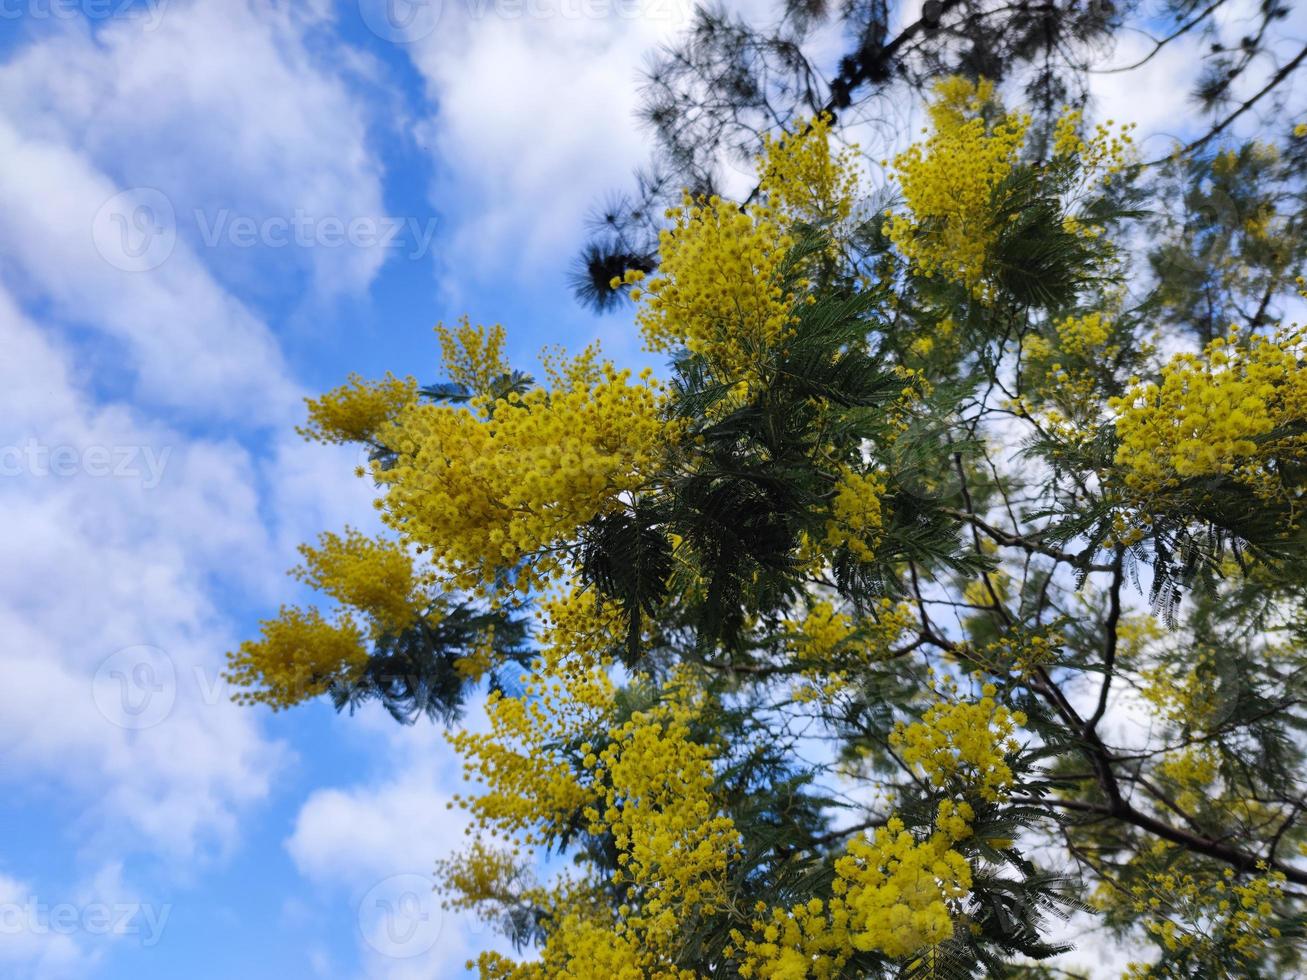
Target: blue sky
(196,198)
(209,209)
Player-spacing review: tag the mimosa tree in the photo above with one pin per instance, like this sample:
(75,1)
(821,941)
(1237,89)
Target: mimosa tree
(948,583)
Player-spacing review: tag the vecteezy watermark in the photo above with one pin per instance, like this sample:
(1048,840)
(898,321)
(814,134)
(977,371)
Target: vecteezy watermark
(37,918)
(400,916)
(401,21)
(148,11)
(136,230)
(34,458)
(576,9)
(304,230)
(135,687)
(407,21)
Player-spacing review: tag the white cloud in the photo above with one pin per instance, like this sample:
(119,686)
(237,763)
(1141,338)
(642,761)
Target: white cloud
(189,343)
(233,110)
(66,934)
(535,120)
(132,532)
(30,943)
(99,562)
(378,840)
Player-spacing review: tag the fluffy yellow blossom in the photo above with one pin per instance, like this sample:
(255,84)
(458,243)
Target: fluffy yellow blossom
(900,891)
(1082,336)
(373,575)
(720,290)
(358,410)
(856,515)
(585,947)
(297,658)
(1109,149)
(954,819)
(893,894)
(473,356)
(480,660)
(1191,771)
(822,634)
(575,625)
(811,939)
(1231,411)
(1063,372)
(1181,696)
(533,784)
(488,486)
(801,178)
(831,646)
(966,740)
(483,878)
(644,781)
(948,182)
(1202,912)
(659,807)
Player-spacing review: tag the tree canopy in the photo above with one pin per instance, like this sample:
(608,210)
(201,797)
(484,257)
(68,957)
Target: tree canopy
(948,584)
(712,93)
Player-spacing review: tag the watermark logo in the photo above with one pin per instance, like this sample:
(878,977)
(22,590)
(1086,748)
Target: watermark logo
(136,687)
(400,917)
(408,21)
(37,918)
(305,230)
(136,229)
(401,21)
(149,12)
(33,458)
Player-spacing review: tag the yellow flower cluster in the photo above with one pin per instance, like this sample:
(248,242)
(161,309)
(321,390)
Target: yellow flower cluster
(1017,653)
(484,878)
(719,291)
(856,514)
(892,894)
(1192,772)
(488,486)
(831,646)
(297,658)
(534,785)
(481,660)
(672,845)
(954,819)
(1110,148)
(1205,915)
(899,890)
(373,575)
(585,947)
(822,634)
(949,180)
(1083,336)
(1181,697)
(801,179)
(577,631)
(967,740)
(1220,413)
(473,356)
(650,787)
(1064,374)
(895,894)
(357,410)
